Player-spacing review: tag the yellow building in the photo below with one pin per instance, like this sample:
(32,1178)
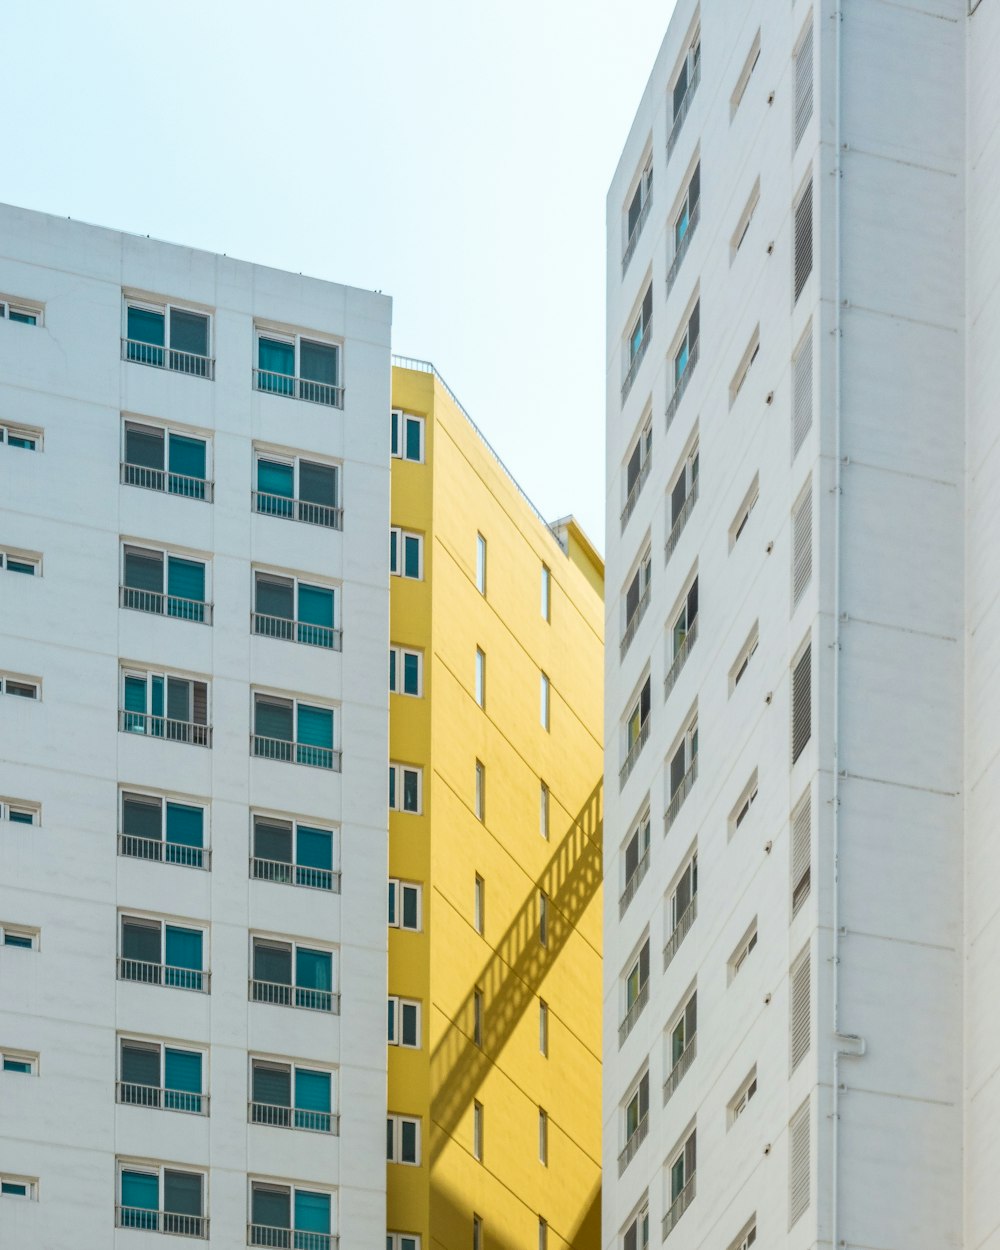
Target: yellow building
(495,849)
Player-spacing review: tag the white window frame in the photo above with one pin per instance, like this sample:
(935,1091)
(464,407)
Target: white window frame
(684,205)
(642,185)
(742,517)
(21,431)
(398,1120)
(744,1095)
(128,546)
(294,461)
(642,575)
(402,1241)
(746,73)
(400,770)
(640,831)
(150,918)
(400,652)
(20,931)
(30,1182)
(399,421)
(743,225)
(396,1005)
(13,304)
(29,1057)
(161,1047)
(22,807)
(163,797)
(742,951)
(167,308)
(742,662)
(682,340)
(746,1238)
(742,806)
(640,1221)
(401,536)
(21,679)
(284,334)
(690,871)
(135,422)
(33,558)
(400,886)
(481,564)
(644,443)
(743,368)
(125,1164)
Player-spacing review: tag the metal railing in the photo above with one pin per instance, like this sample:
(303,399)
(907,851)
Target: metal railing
(151,1221)
(164,480)
(633,238)
(163,727)
(680,658)
(684,922)
(633,624)
(633,1144)
(281,994)
(679,795)
(673,538)
(162,1099)
(632,884)
(289,1238)
(291,630)
(636,490)
(677,1208)
(284,749)
(633,1013)
(298,388)
(161,604)
(682,112)
(694,216)
(634,752)
(636,361)
(679,1069)
(161,357)
(163,974)
(681,384)
(277,1116)
(330,517)
(163,851)
(285,873)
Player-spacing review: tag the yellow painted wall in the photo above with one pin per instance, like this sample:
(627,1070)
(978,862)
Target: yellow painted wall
(459,491)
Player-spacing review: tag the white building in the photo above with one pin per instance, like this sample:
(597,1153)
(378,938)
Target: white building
(194,501)
(802,760)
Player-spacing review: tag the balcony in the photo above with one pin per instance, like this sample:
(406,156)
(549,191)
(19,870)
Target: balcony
(633,1144)
(160,357)
(679,795)
(277,1116)
(163,480)
(633,1013)
(677,1208)
(679,1069)
(680,658)
(636,490)
(694,216)
(151,1221)
(633,883)
(287,1238)
(298,388)
(163,974)
(298,510)
(290,630)
(158,851)
(634,751)
(673,538)
(284,873)
(163,727)
(160,604)
(636,360)
(681,384)
(633,625)
(289,752)
(682,112)
(633,238)
(684,923)
(281,994)
(162,1099)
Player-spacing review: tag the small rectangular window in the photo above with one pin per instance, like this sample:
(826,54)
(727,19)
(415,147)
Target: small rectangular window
(21,437)
(18,937)
(742,661)
(543,1136)
(742,517)
(802,543)
(801,850)
(743,368)
(20,312)
(543,810)
(168,337)
(480,677)
(749,65)
(18,1187)
(26,562)
(477,1131)
(543,918)
(747,1236)
(801,701)
(406,667)
(543,1234)
(406,554)
(742,1098)
(743,949)
(543,1027)
(544,701)
(480,807)
(20,812)
(298,366)
(173,460)
(546,593)
(20,687)
(405,786)
(404,1023)
(407,441)
(479,904)
(405,905)
(22,1062)
(403,1139)
(743,225)
(741,810)
(481,564)
(477,1232)
(477,1017)
(802,388)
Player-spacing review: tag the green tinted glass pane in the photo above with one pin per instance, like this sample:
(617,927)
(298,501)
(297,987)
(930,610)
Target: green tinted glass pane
(189,332)
(145,326)
(411,673)
(412,439)
(411,555)
(318,362)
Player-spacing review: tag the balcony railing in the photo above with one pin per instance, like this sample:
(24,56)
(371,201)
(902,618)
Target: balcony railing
(165,605)
(636,490)
(191,363)
(636,360)
(633,1013)
(151,1221)
(680,1067)
(285,873)
(684,922)
(682,112)
(163,727)
(162,1099)
(276,1116)
(290,630)
(163,852)
(163,480)
(694,216)
(289,1238)
(632,884)
(281,994)
(673,538)
(633,238)
(163,974)
(633,624)
(681,384)
(679,795)
(633,753)
(677,1208)
(298,388)
(298,510)
(295,752)
(680,658)
(633,1144)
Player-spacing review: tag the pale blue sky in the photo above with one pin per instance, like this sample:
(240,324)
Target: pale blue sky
(452,153)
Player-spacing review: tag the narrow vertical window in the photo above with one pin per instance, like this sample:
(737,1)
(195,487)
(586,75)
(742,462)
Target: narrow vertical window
(798,1164)
(802,388)
(481,564)
(477,1232)
(480,677)
(543,1136)
(477,1017)
(543,813)
(546,593)
(544,710)
(543,1027)
(801,851)
(477,1131)
(479,904)
(480,791)
(802,543)
(543,1234)
(543,919)
(800,1009)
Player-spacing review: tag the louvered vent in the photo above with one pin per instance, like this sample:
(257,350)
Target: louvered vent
(803,85)
(802,396)
(801,851)
(803,238)
(802,544)
(798,1164)
(800,1013)
(801,702)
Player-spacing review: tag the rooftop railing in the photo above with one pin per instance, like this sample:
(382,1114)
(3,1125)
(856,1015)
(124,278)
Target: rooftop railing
(298,388)
(161,357)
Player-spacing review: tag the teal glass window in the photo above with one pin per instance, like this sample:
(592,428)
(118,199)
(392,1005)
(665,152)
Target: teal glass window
(411,555)
(410,790)
(316,604)
(275,366)
(185,589)
(315,736)
(414,438)
(17,1065)
(185,841)
(393,890)
(146,332)
(182,1080)
(140,1199)
(20,817)
(394,432)
(188,466)
(312,1100)
(314,858)
(184,954)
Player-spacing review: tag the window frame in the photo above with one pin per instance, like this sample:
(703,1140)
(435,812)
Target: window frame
(21,807)
(127,546)
(147,1043)
(26,432)
(397,1004)
(293,1188)
(400,420)
(742,951)
(543,1027)
(743,81)
(400,885)
(545,701)
(546,593)
(311,582)
(169,430)
(481,564)
(398,1119)
(740,1101)
(29,1057)
(402,536)
(742,517)
(296,823)
(32,558)
(21,679)
(401,1241)
(544,809)
(543,1137)
(397,667)
(543,919)
(745,654)
(401,770)
(743,368)
(315,946)
(742,806)
(148,920)
(163,798)
(479,904)
(151,1168)
(478,1130)
(22,308)
(166,308)
(12,1178)
(286,334)
(19,933)
(479,690)
(743,224)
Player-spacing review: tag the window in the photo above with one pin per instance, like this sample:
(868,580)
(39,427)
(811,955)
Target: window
(165,830)
(636,1235)
(802,385)
(743,225)
(743,368)
(544,707)
(404,1022)
(477,1130)
(543,1136)
(164,1076)
(682,1037)
(802,543)
(546,593)
(158,458)
(303,368)
(19,812)
(403,1139)
(800,1009)
(292,853)
(296,611)
(157,952)
(21,436)
(289,1215)
(405,905)
(743,948)
(747,1237)
(685,352)
(406,554)
(20,313)
(803,82)
(743,804)
(686,217)
(741,1099)
(637,1110)
(803,231)
(681,1171)
(20,687)
(638,340)
(543,918)
(637,468)
(543,809)
(687,77)
(479,904)
(298,489)
(480,677)
(635,989)
(798,1164)
(682,906)
(406,671)
(749,65)
(637,211)
(543,1234)
(18,1187)
(637,597)
(161,1199)
(285,1095)
(295,732)
(19,938)
(402,1241)
(683,766)
(477,1232)
(20,1061)
(637,724)
(407,437)
(481,564)
(288,974)
(683,632)
(405,785)
(747,505)
(683,495)
(165,584)
(162,705)
(742,662)
(543,1027)
(801,701)
(477,1017)
(168,337)
(801,850)
(636,856)
(21,562)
